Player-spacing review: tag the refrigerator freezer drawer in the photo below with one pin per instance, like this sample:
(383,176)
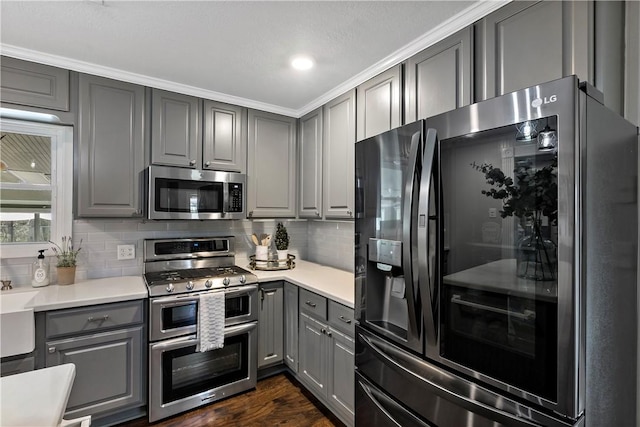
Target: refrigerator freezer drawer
(435,395)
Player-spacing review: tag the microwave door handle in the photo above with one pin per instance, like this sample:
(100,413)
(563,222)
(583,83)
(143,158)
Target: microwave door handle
(426,234)
(407,231)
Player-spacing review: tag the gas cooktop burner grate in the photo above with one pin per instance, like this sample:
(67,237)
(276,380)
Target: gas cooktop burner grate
(164,277)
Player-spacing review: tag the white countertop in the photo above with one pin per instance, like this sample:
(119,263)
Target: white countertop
(89,292)
(329,282)
(36,398)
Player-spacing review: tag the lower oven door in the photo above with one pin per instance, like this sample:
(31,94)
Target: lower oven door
(177,315)
(180,378)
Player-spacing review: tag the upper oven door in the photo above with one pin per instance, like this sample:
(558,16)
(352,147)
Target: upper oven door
(178,193)
(177,315)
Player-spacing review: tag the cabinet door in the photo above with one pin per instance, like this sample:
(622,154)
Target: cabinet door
(339,147)
(341,384)
(526,43)
(270,325)
(110,148)
(378,103)
(310,148)
(35,85)
(291,326)
(225,137)
(438,79)
(175,129)
(313,354)
(271,165)
(109,373)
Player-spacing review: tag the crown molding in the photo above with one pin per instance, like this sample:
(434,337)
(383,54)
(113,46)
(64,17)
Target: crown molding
(451,26)
(467,17)
(113,73)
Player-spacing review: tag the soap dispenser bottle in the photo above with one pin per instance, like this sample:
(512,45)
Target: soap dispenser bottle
(40,271)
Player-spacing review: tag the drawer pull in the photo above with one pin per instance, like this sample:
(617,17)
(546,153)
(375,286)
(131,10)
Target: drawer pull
(52,350)
(100,319)
(345,320)
(310,304)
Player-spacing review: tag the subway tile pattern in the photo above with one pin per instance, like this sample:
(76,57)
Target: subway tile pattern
(324,242)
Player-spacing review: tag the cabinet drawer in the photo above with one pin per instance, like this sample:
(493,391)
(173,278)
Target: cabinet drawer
(93,318)
(341,317)
(313,304)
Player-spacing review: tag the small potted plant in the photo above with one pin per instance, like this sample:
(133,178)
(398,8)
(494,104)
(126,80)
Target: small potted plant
(67,259)
(282,242)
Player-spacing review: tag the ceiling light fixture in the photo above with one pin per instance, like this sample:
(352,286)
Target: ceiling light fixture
(302,63)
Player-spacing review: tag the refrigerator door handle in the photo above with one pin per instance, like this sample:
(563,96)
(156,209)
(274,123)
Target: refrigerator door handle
(426,259)
(408,225)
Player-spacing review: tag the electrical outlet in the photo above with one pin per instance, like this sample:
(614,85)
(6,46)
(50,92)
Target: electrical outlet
(126,251)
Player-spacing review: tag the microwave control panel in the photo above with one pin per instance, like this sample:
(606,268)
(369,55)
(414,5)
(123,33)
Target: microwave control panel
(235,197)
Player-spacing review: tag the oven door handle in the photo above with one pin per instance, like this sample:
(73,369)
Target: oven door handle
(188,340)
(175,300)
(246,289)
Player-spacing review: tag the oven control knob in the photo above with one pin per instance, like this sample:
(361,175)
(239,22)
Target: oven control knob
(208,283)
(190,285)
(226,281)
(243,279)
(170,287)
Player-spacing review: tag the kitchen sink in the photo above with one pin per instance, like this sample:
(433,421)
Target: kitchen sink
(17,326)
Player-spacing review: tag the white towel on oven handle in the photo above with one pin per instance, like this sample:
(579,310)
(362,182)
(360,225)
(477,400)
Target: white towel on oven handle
(210,321)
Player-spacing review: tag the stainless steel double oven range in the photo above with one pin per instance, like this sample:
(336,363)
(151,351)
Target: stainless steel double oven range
(177,272)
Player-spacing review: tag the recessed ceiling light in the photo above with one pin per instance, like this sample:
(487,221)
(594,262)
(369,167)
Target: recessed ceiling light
(302,63)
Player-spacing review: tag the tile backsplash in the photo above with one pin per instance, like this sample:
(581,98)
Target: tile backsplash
(325,242)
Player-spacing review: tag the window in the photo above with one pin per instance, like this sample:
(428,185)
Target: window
(36,173)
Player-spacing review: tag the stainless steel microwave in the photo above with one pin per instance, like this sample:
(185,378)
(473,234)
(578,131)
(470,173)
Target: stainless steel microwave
(180,193)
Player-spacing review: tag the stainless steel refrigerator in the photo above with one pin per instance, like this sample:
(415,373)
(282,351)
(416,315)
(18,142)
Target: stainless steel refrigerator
(496,265)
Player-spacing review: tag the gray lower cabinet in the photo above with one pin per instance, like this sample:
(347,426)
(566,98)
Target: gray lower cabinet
(32,84)
(107,345)
(525,43)
(270,324)
(110,148)
(327,353)
(176,137)
(291,326)
(271,165)
(310,160)
(378,104)
(438,79)
(339,139)
(225,137)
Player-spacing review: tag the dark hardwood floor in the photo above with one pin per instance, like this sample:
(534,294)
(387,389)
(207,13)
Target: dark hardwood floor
(276,401)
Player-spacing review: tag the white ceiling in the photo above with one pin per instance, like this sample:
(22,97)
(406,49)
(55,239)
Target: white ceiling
(232,51)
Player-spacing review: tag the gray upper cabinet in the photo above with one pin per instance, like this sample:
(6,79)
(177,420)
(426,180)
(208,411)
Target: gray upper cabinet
(175,129)
(526,43)
(270,325)
(379,103)
(271,165)
(110,148)
(339,139)
(33,84)
(310,152)
(438,79)
(632,69)
(225,137)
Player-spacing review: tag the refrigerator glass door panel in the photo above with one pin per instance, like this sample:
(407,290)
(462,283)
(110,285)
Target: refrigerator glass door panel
(431,394)
(499,295)
(388,169)
(509,296)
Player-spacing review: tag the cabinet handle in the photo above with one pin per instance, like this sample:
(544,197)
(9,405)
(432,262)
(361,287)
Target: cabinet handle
(328,333)
(52,350)
(250,214)
(310,304)
(317,213)
(349,213)
(100,319)
(207,164)
(345,320)
(192,162)
(324,331)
